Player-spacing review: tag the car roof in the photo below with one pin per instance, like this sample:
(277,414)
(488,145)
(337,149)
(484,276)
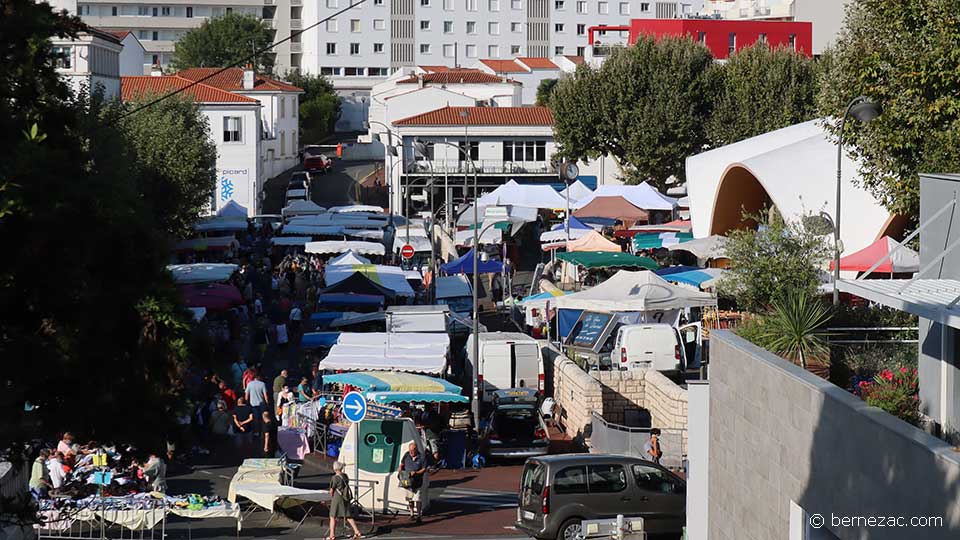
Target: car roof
(587,459)
(516,406)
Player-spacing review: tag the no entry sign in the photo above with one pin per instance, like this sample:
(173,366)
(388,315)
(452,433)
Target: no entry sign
(407,251)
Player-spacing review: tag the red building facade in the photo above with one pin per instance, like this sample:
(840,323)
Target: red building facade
(722,37)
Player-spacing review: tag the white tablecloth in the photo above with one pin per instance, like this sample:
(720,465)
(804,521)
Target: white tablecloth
(265,495)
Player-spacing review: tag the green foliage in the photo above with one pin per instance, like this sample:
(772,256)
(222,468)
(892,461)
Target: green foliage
(222,41)
(646,106)
(789,330)
(904,56)
(762,89)
(93,331)
(894,391)
(319,106)
(769,262)
(544,90)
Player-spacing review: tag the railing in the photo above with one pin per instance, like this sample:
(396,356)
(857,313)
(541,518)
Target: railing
(270,23)
(296,2)
(483,167)
(608,438)
(268,2)
(296,47)
(296,24)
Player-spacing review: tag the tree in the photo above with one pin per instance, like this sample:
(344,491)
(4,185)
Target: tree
(902,55)
(319,106)
(176,159)
(761,89)
(771,261)
(646,106)
(94,333)
(222,41)
(790,330)
(544,89)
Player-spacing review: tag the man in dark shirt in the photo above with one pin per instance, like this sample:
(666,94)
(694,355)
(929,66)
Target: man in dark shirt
(243,422)
(414,464)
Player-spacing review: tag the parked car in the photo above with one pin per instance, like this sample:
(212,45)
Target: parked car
(558,492)
(515,428)
(317,164)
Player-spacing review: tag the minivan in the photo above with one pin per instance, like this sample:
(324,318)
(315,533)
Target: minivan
(558,492)
(656,346)
(507,360)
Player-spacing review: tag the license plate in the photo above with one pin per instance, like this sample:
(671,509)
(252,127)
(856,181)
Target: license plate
(528,515)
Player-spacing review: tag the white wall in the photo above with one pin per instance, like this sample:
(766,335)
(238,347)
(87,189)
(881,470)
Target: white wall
(131,57)
(282,130)
(94,63)
(238,163)
(698,456)
(827,17)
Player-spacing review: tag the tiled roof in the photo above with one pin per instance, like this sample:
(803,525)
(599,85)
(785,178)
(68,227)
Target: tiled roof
(133,88)
(504,66)
(575,59)
(482,116)
(455,76)
(231,80)
(534,62)
(104,34)
(434,69)
(120,34)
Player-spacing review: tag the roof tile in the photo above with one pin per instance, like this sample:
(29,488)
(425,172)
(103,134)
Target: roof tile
(231,80)
(534,62)
(133,88)
(504,66)
(455,76)
(481,116)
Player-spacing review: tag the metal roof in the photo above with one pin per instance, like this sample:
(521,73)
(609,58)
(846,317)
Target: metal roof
(934,299)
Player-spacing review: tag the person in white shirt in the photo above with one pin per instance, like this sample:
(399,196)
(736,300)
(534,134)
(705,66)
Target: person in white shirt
(55,466)
(66,443)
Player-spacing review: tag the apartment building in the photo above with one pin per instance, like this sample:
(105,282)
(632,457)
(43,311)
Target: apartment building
(90,62)
(826,15)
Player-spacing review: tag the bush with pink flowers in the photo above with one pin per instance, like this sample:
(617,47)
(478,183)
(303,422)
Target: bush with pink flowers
(894,391)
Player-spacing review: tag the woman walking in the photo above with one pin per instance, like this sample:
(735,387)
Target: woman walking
(340,499)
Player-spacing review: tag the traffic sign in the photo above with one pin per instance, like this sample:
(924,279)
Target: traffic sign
(407,251)
(354,407)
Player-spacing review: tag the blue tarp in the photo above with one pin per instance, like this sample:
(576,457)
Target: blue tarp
(574,224)
(464,265)
(326,317)
(347,299)
(416,397)
(675,270)
(313,340)
(602,221)
(695,278)
(568,318)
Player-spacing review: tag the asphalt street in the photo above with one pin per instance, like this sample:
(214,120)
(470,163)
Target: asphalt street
(340,186)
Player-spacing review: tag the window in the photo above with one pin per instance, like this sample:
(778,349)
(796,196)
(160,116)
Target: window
(330,70)
(624,8)
(493,28)
(332,25)
(424,48)
(155,59)
(792,41)
(283,106)
(581,7)
(352,72)
(331,48)
(229,10)
(471,5)
(429,151)
(143,11)
(378,72)
(493,5)
(156,36)
(448,5)
(570,481)
(558,50)
(113,11)
(379,24)
(558,28)
(63,56)
(154,12)
(448,50)
(514,50)
(581,51)
(447,27)
(603,8)
(165,11)
(732,42)
(471,27)
(516,4)
(378,47)
(702,38)
(558,5)
(493,51)
(424,25)
(607,478)
(143,35)
(516,27)
(354,49)
(471,51)
(425,3)
(474,150)
(331,3)
(644,6)
(283,143)
(355,25)
(581,29)
(231,129)
(377,2)
(189,12)
(653,479)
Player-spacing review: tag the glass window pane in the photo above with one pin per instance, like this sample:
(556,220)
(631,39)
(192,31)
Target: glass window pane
(529,155)
(541,150)
(607,478)
(508,150)
(570,480)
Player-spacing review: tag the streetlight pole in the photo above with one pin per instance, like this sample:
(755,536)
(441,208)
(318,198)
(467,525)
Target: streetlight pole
(863,109)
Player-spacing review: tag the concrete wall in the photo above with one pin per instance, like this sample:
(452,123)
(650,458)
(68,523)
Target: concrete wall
(780,436)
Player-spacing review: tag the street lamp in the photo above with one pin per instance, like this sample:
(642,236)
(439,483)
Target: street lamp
(863,109)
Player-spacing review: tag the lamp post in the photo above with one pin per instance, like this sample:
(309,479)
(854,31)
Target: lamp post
(863,109)
(391,151)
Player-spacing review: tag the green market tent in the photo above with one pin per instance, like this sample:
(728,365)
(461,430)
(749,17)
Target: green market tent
(660,240)
(606,259)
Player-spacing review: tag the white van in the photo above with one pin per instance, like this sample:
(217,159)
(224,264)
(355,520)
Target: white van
(657,346)
(507,360)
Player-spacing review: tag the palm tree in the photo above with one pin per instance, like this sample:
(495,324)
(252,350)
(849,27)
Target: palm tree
(790,329)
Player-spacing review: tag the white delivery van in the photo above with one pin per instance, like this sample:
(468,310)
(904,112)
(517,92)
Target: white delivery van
(507,360)
(662,347)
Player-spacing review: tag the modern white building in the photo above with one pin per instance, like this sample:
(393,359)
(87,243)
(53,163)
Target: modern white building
(132,56)
(235,127)
(826,15)
(279,129)
(90,62)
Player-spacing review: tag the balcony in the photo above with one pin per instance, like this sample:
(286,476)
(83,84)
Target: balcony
(484,166)
(270,23)
(296,2)
(296,24)
(296,47)
(269,2)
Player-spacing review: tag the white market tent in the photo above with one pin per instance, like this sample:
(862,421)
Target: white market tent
(302,208)
(355,208)
(343,246)
(366,234)
(492,235)
(348,257)
(297,228)
(524,195)
(635,291)
(391,277)
(578,191)
(201,272)
(290,240)
(796,168)
(221,224)
(418,238)
(711,247)
(643,196)
(457,286)
(374,351)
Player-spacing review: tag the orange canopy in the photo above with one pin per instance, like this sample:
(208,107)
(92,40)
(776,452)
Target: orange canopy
(593,241)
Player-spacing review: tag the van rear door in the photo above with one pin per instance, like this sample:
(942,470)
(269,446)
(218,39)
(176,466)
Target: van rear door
(527,367)
(496,367)
(652,346)
(533,479)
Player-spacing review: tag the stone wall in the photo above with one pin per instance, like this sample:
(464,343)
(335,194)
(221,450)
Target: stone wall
(623,391)
(786,445)
(577,395)
(666,402)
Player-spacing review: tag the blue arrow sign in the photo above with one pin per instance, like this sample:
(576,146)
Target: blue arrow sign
(354,407)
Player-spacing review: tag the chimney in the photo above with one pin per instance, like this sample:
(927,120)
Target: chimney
(419,80)
(248,77)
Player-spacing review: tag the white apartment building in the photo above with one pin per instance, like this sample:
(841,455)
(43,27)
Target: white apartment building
(826,15)
(90,62)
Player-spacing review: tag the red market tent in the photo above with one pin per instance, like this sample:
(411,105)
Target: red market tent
(614,208)
(212,296)
(904,261)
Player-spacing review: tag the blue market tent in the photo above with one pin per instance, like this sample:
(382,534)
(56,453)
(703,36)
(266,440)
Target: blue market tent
(574,224)
(325,317)
(698,278)
(313,340)
(416,397)
(675,269)
(464,265)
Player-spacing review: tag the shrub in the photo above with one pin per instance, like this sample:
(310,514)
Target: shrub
(894,391)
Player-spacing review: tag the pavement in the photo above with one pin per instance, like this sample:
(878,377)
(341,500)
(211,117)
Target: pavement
(340,186)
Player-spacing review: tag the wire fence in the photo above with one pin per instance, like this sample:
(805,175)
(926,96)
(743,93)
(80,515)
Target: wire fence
(609,438)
